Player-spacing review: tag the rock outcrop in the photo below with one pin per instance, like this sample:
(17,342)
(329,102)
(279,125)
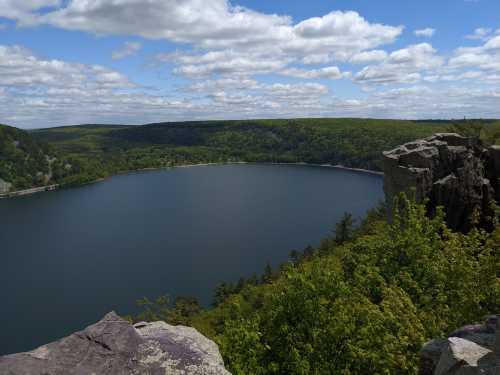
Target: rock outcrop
(452,171)
(470,350)
(114,346)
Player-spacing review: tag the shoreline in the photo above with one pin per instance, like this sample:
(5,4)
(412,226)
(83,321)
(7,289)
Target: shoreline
(325,165)
(19,193)
(54,187)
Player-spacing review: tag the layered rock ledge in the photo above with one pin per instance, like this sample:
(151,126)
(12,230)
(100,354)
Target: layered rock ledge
(470,350)
(113,346)
(458,173)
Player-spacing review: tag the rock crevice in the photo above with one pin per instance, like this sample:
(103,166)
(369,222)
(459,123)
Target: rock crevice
(458,173)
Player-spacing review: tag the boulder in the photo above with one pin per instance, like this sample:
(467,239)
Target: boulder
(461,355)
(114,346)
(469,350)
(449,170)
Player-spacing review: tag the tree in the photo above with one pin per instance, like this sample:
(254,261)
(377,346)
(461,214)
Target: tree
(222,292)
(267,277)
(344,229)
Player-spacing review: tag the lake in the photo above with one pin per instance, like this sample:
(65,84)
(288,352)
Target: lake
(70,256)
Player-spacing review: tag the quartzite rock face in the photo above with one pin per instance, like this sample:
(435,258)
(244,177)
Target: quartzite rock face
(113,346)
(470,350)
(452,171)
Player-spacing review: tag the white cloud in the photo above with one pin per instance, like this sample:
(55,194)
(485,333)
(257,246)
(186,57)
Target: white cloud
(485,57)
(479,33)
(330,72)
(369,56)
(320,58)
(23,10)
(402,66)
(128,49)
(215,26)
(223,84)
(225,62)
(225,48)
(427,32)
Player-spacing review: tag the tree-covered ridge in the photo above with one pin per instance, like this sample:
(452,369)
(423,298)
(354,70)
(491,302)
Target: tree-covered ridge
(96,151)
(363,305)
(24,161)
(103,150)
(27,162)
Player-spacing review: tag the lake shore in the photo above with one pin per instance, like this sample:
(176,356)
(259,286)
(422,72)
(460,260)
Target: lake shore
(30,191)
(325,165)
(42,189)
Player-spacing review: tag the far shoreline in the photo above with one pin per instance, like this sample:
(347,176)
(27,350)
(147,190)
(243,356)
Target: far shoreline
(41,189)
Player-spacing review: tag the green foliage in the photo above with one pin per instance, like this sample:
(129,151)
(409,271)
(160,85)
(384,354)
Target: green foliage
(344,229)
(365,306)
(479,129)
(182,310)
(351,142)
(97,151)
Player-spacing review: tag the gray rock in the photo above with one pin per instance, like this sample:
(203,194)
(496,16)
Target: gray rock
(470,350)
(452,171)
(430,354)
(460,353)
(113,346)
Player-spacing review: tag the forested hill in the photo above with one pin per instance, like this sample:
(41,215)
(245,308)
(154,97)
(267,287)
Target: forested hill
(351,142)
(24,161)
(27,162)
(96,151)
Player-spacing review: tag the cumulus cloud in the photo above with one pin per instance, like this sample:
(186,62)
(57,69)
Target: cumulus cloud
(485,57)
(315,59)
(225,49)
(23,11)
(128,49)
(402,66)
(19,67)
(256,40)
(369,56)
(329,72)
(427,32)
(226,62)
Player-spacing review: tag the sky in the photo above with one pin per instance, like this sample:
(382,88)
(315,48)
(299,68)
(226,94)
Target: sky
(65,62)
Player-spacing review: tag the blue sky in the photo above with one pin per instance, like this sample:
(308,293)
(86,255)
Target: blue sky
(131,61)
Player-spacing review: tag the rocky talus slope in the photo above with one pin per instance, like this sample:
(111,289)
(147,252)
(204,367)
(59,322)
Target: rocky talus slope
(113,346)
(458,173)
(470,350)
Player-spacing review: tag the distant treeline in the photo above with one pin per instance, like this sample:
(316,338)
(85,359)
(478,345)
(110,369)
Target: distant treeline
(97,151)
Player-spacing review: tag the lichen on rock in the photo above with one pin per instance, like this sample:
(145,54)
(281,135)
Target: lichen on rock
(113,346)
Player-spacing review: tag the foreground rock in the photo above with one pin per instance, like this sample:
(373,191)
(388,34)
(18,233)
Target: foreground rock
(455,172)
(473,349)
(113,346)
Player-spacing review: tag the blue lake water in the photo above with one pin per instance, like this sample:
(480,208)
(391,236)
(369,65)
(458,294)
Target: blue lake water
(70,256)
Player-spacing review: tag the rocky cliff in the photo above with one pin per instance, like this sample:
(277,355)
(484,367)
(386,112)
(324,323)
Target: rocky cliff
(458,173)
(470,350)
(114,346)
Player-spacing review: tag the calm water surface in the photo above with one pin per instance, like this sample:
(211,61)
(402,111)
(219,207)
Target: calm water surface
(68,257)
